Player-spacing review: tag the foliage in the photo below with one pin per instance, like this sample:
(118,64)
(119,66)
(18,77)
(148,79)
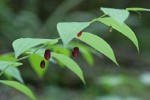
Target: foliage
(33,48)
(22,88)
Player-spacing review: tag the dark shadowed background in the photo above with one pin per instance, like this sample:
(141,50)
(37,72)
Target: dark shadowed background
(105,81)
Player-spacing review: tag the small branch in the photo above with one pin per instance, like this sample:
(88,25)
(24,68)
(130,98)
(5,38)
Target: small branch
(22,58)
(95,19)
(103,15)
(40,48)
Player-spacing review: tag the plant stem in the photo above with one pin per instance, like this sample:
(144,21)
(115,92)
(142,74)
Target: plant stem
(95,19)
(4,70)
(39,48)
(103,16)
(22,58)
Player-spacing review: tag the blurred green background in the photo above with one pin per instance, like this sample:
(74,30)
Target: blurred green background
(105,81)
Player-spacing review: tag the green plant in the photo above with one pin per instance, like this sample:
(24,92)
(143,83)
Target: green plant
(34,49)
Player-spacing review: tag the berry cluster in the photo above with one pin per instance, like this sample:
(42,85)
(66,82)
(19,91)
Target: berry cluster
(75,51)
(47,56)
(47,53)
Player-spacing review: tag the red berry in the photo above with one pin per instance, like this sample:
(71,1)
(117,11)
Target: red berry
(79,34)
(42,64)
(47,54)
(75,52)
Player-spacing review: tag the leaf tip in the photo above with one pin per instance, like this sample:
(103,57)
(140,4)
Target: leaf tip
(138,49)
(116,63)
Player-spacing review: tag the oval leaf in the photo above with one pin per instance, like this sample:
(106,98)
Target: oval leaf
(22,88)
(137,9)
(122,28)
(98,44)
(11,69)
(14,72)
(87,56)
(7,63)
(69,30)
(73,66)
(23,44)
(120,15)
(35,61)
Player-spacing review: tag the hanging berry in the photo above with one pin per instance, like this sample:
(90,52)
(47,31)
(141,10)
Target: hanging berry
(76,49)
(42,64)
(79,34)
(75,52)
(47,54)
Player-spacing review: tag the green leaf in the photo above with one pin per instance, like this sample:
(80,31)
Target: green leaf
(59,48)
(11,69)
(8,57)
(23,44)
(73,66)
(122,28)
(137,9)
(22,88)
(69,30)
(35,61)
(14,72)
(87,56)
(98,44)
(120,15)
